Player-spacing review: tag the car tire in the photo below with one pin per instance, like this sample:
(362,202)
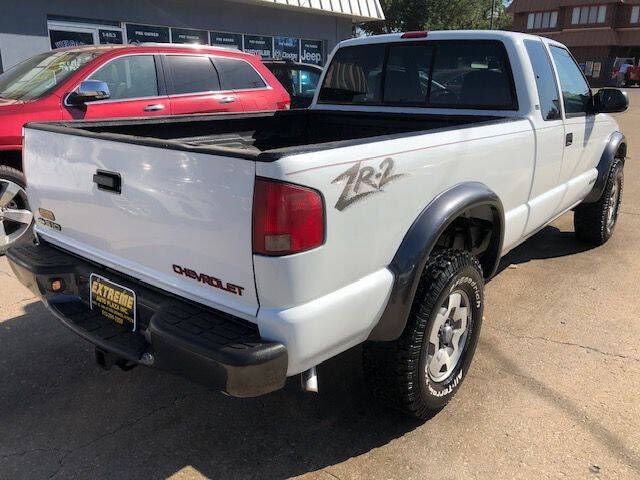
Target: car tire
(412,373)
(14,206)
(594,222)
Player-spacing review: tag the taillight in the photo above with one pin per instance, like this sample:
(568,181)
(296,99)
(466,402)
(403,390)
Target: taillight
(285,104)
(419,34)
(286,218)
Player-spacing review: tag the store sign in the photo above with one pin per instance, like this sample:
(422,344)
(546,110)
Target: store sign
(185,35)
(286,48)
(259,45)
(110,36)
(63,38)
(224,39)
(311,52)
(146,33)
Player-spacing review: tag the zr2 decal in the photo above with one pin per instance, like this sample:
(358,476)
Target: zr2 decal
(364,181)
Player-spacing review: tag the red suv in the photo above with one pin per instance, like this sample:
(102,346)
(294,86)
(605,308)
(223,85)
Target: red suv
(119,81)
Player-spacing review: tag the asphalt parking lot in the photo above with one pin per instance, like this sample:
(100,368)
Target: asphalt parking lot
(554,391)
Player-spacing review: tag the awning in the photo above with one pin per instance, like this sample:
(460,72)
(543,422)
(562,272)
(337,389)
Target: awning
(357,10)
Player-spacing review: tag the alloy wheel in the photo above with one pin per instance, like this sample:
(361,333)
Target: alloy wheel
(448,336)
(614,203)
(15,216)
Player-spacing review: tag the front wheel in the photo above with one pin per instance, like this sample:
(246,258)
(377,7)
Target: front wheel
(15,217)
(594,222)
(421,371)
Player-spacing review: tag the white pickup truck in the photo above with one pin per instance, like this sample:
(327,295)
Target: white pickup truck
(240,250)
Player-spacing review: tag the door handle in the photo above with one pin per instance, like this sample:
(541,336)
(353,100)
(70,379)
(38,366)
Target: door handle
(109,181)
(569,139)
(226,99)
(154,108)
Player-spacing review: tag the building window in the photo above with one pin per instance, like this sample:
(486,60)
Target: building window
(589,15)
(542,20)
(635,14)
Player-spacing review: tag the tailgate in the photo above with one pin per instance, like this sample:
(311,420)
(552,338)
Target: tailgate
(181,222)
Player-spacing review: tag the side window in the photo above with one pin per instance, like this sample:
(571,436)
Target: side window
(192,74)
(407,73)
(575,90)
(129,77)
(284,76)
(239,75)
(307,82)
(545,80)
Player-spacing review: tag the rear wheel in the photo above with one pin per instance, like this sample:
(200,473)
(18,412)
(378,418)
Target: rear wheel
(16,218)
(594,222)
(421,371)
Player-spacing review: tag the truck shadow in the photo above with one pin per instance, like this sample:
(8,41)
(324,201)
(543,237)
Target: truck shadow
(68,418)
(550,242)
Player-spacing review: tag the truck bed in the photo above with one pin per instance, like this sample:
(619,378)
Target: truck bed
(264,136)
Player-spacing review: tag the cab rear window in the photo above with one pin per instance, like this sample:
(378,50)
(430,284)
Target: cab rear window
(443,74)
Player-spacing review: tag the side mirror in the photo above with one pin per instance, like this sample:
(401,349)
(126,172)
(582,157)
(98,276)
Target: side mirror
(89,91)
(610,100)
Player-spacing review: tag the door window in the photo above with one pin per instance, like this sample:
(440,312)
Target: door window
(575,90)
(545,80)
(192,74)
(239,75)
(133,76)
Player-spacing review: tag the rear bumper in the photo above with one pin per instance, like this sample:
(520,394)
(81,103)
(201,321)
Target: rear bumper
(209,347)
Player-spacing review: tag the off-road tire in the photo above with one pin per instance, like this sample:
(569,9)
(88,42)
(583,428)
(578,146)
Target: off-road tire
(396,371)
(591,220)
(15,176)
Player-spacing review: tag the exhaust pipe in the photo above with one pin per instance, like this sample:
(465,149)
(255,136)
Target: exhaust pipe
(309,380)
(106,360)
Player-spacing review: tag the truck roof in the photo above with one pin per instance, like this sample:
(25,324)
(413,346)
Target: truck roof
(445,35)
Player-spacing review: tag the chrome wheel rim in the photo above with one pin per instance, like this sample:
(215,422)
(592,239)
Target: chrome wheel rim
(614,200)
(448,336)
(15,216)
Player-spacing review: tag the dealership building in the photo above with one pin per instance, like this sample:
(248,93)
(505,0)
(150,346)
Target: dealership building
(297,30)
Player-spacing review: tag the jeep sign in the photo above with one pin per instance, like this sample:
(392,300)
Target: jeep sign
(311,51)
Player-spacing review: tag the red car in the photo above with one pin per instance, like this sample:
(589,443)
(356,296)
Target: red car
(119,81)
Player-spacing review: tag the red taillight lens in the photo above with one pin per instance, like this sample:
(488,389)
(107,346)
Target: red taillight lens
(286,218)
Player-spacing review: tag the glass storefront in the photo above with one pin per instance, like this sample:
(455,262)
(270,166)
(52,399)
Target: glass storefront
(67,34)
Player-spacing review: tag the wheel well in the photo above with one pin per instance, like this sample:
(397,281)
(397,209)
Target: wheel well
(11,158)
(622,150)
(478,231)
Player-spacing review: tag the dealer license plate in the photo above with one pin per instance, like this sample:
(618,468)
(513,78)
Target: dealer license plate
(113,301)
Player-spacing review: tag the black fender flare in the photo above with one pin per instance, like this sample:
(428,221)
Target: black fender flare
(412,255)
(616,141)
